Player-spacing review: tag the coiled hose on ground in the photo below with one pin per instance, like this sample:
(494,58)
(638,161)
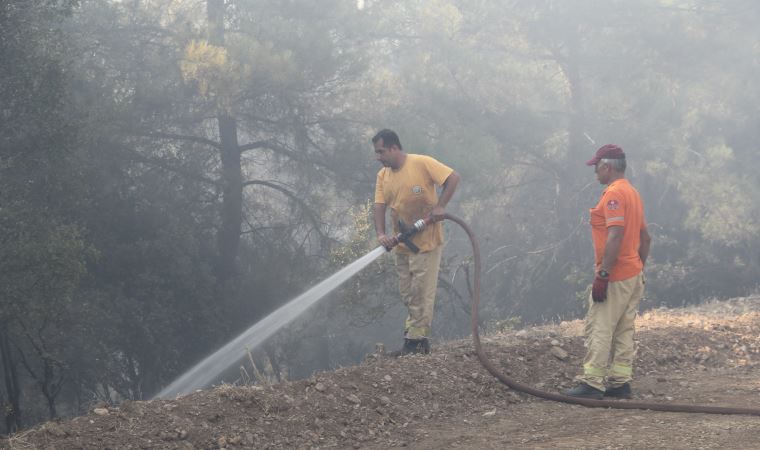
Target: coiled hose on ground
(521,387)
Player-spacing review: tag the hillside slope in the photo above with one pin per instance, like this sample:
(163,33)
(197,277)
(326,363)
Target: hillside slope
(707,355)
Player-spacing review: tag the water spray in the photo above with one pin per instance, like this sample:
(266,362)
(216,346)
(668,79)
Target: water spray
(205,372)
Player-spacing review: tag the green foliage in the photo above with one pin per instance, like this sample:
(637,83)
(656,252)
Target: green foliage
(207,65)
(721,210)
(502,325)
(360,237)
(44,249)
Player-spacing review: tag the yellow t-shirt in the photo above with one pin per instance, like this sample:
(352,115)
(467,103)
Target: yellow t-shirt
(410,194)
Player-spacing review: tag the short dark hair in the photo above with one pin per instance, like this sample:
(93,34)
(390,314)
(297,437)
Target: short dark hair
(389,138)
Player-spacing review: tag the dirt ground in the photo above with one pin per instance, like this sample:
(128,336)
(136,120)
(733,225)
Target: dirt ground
(702,355)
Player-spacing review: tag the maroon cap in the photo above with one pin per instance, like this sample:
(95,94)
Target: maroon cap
(609,151)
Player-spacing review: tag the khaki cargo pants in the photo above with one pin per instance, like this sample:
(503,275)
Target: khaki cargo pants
(418,281)
(609,335)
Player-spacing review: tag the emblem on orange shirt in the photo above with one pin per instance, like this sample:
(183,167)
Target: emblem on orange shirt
(417,190)
(613,205)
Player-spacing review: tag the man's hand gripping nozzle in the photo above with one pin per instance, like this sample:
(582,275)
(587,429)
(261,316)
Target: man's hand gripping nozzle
(406,233)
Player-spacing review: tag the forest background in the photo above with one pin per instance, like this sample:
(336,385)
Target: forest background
(173,170)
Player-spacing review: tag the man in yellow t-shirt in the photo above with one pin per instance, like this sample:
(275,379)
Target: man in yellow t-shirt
(621,247)
(407,184)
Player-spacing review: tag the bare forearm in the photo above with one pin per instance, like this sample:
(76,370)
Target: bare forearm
(379,216)
(449,187)
(646,241)
(612,248)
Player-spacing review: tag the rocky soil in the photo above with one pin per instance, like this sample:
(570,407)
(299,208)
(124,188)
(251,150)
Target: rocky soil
(704,355)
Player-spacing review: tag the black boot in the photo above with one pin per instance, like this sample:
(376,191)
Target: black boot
(583,390)
(417,346)
(622,391)
(412,346)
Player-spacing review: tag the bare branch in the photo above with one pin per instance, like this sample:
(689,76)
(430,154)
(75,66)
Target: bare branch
(258,144)
(280,149)
(273,185)
(134,155)
(181,137)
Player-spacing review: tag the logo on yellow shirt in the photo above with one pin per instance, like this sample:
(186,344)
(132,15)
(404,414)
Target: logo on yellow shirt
(417,190)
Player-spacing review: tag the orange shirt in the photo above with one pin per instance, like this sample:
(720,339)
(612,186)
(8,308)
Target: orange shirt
(620,205)
(410,193)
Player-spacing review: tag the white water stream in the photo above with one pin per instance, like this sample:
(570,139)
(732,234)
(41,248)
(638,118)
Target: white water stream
(209,369)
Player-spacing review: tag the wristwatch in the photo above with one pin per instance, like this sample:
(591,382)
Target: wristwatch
(604,274)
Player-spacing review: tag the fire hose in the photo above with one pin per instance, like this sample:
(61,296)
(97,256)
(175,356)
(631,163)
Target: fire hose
(405,237)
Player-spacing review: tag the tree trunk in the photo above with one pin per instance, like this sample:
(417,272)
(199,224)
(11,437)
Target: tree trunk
(571,68)
(580,148)
(232,201)
(50,397)
(232,177)
(12,390)
(50,388)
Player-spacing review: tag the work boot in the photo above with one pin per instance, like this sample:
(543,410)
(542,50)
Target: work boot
(412,346)
(421,346)
(622,391)
(583,390)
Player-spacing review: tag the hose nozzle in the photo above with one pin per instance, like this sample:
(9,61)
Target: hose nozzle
(421,224)
(405,236)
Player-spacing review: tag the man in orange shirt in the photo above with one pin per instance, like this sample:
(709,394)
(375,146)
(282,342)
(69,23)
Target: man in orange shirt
(621,245)
(407,184)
